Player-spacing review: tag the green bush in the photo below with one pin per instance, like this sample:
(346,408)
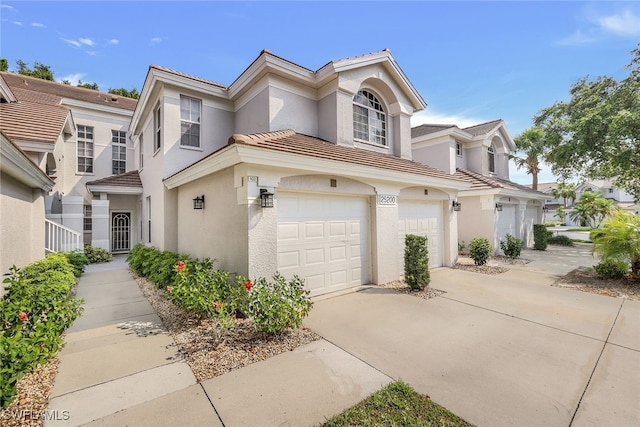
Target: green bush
(540,237)
(35,310)
(512,247)
(560,241)
(78,261)
(552,223)
(279,304)
(480,250)
(612,268)
(416,262)
(96,254)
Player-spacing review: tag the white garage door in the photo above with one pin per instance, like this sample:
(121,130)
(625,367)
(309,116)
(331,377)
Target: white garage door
(505,224)
(530,218)
(423,219)
(324,239)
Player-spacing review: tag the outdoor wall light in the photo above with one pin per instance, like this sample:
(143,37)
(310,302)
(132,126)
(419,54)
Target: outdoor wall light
(545,208)
(266,198)
(499,207)
(198,202)
(457,206)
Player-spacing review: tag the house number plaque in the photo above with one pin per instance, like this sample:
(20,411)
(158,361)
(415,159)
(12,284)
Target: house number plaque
(387,200)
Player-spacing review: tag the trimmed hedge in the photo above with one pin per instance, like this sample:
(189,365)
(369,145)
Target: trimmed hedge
(480,250)
(540,237)
(416,262)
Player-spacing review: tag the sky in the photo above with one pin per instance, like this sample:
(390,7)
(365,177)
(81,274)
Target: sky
(472,62)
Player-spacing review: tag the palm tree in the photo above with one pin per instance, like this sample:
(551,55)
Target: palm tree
(564,191)
(531,144)
(592,209)
(619,238)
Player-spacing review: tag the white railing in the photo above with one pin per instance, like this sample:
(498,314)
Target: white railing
(60,238)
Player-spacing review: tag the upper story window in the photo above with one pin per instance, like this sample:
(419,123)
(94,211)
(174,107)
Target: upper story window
(491,154)
(85,149)
(118,152)
(458,149)
(157,128)
(190,109)
(369,118)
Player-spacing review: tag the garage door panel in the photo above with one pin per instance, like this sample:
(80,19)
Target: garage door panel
(289,259)
(422,219)
(338,229)
(314,256)
(314,282)
(313,230)
(288,231)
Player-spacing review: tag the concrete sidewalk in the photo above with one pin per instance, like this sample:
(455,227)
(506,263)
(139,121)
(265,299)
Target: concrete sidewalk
(120,367)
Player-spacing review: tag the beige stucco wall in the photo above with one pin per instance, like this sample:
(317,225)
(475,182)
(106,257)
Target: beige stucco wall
(476,219)
(440,156)
(21,222)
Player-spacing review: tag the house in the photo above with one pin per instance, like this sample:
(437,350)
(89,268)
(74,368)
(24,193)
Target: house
(304,172)
(493,206)
(74,136)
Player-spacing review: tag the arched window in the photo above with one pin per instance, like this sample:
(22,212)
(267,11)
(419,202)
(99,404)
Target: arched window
(369,118)
(491,152)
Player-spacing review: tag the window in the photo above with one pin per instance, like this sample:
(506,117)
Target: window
(190,121)
(149,219)
(492,159)
(369,119)
(157,127)
(610,190)
(87,217)
(119,152)
(458,149)
(85,149)
(141,148)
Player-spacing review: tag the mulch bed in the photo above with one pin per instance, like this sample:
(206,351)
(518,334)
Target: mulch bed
(402,287)
(586,280)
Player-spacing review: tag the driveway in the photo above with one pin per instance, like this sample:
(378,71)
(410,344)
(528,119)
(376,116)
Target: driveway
(500,350)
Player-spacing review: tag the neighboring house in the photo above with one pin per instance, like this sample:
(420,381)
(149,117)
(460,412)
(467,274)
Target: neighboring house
(75,136)
(493,206)
(291,170)
(23,186)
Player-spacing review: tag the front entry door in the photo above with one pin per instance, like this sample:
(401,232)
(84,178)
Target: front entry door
(120,231)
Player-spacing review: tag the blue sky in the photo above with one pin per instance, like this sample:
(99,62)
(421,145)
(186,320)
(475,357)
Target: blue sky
(471,61)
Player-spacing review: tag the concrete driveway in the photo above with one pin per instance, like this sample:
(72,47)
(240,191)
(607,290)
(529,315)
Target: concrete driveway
(501,350)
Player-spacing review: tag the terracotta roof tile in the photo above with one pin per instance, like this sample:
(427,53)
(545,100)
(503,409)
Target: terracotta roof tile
(291,142)
(45,91)
(33,122)
(127,179)
(481,182)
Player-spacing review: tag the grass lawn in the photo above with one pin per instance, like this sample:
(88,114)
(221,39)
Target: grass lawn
(397,405)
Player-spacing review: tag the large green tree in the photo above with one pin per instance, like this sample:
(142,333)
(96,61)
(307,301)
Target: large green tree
(592,209)
(531,144)
(564,191)
(133,93)
(39,70)
(597,132)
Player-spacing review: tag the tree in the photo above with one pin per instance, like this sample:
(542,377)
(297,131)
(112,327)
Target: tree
(4,64)
(133,93)
(92,86)
(592,209)
(531,144)
(596,133)
(39,70)
(561,214)
(619,239)
(564,191)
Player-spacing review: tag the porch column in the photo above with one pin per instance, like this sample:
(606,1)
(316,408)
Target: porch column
(72,213)
(385,240)
(100,223)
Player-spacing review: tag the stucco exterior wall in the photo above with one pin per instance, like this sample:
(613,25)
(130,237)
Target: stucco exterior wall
(22,222)
(328,117)
(293,110)
(476,219)
(219,231)
(440,156)
(253,116)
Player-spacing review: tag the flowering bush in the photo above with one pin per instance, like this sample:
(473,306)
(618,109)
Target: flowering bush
(277,305)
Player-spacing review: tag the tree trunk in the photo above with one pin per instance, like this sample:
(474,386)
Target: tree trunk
(534,184)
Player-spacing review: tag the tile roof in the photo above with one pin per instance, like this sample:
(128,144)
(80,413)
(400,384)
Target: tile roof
(127,179)
(48,92)
(481,182)
(482,128)
(291,142)
(428,128)
(32,122)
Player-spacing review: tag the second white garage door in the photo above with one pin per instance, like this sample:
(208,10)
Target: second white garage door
(324,239)
(423,219)
(505,224)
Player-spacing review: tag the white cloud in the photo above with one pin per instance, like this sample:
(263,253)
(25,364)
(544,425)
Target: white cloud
(6,6)
(79,42)
(86,41)
(156,40)
(577,38)
(74,79)
(38,25)
(73,43)
(625,24)
(18,23)
(433,117)
(114,41)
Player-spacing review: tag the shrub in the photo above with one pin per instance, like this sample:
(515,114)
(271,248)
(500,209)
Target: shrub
(560,241)
(36,309)
(279,304)
(416,262)
(619,238)
(96,254)
(612,268)
(512,247)
(552,223)
(540,237)
(480,250)
(78,261)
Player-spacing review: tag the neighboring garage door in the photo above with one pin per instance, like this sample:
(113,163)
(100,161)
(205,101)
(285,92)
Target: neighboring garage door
(423,219)
(324,239)
(505,224)
(530,218)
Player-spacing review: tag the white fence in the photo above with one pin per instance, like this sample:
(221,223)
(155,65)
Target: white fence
(60,238)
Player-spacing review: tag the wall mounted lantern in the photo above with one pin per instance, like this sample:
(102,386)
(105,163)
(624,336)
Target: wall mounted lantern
(266,198)
(545,208)
(198,202)
(499,207)
(457,206)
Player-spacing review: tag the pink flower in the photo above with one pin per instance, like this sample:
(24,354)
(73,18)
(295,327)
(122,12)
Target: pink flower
(169,288)
(248,285)
(23,316)
(181,266)
(216,304)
